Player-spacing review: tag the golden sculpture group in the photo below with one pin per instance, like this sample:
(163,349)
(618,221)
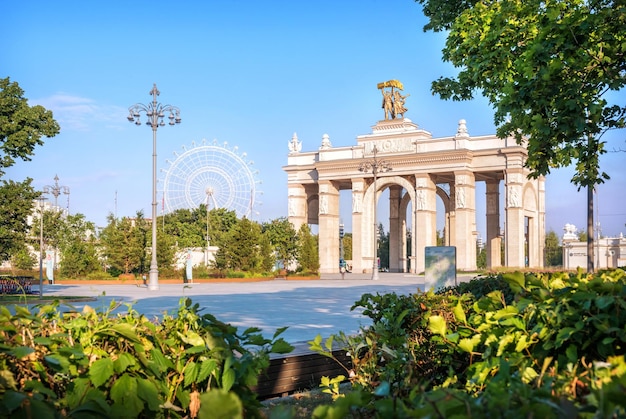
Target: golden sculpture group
(393,101)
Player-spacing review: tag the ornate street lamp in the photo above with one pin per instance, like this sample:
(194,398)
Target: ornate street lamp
(375,166)
(57,190)
(155,113)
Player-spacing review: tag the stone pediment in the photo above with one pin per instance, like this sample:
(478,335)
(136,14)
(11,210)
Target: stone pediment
(394,126)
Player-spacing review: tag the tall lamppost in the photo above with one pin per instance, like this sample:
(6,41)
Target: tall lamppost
(41,199)
(57,190)
(209,195)
(375,166)
(155,113)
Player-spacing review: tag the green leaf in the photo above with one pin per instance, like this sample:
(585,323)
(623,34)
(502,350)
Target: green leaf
(57,362)
(280,331)
(572,353)
(437,325)
(160,360)
(522,343)
(604,301)
(191,338)
(468,345)
(123,361)
(190,373)
(147,391)
(40,340)
(13,399)
(206,369)
(529,374)
(563,335)
(329,343)
(281,347)
(126,330)
(21,351)
(100,371)
(459,313)
(124,396)
(220,403)
(228,379)
(515,280)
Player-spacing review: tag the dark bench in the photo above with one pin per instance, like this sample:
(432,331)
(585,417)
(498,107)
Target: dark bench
(300,370)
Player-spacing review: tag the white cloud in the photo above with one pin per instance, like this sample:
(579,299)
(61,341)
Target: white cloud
(77,113)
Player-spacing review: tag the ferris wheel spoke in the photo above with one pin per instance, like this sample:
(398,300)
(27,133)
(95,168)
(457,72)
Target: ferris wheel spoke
(210,171)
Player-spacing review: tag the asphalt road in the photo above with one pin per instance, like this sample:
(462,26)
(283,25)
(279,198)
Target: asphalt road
(307,308)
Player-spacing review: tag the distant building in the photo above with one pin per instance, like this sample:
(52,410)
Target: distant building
(610,252)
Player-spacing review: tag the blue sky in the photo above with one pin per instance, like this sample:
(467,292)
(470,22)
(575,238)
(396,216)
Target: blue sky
(248,73)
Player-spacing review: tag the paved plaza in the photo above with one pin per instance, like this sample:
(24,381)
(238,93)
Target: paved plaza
(307,308)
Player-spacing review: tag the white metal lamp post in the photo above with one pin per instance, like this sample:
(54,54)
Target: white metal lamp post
(57,190)
(209,195)
(375,166)
(155,113)
(41,199)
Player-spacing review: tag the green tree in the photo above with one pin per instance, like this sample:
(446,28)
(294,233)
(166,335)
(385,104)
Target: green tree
(547,68)
(383,247)
(308,254)
(21,125)
(16,205)
(440,238)
(347,246)
(240,249)
(78,247)
(268,259)
(187,226)
(23,259)
(21,129)
(283,238)
(553,250)
(221,221)
(166,250)
(124,246)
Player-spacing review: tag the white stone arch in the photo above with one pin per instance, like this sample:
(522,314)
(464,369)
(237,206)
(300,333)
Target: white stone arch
(368,202)
(404,204)
(447,206)
(531,217)
(529,197)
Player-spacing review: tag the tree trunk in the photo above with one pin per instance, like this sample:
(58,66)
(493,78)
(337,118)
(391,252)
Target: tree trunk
(590,252)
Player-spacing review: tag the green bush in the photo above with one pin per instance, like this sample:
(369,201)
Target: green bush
(95,364)
(513,345)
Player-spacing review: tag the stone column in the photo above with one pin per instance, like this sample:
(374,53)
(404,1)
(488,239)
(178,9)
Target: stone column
(395,232)
(404,204)
(358,187)
(297,205)
(451,224)
(493,240)
(465,220)
(514,235)
(541,202)
(425,230)
(328,227)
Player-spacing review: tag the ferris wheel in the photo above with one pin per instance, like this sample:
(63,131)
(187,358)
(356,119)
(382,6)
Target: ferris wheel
(211,174)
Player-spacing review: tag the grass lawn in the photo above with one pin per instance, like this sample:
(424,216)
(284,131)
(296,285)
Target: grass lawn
(36,299)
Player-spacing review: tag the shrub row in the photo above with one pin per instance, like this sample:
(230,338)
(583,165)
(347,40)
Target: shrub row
(513,345)
(95,364)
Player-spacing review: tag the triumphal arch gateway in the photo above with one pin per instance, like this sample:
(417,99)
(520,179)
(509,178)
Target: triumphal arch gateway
(417,169)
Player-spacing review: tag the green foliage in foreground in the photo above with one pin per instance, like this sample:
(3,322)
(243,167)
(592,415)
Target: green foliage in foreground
(97,365)
(515,346)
